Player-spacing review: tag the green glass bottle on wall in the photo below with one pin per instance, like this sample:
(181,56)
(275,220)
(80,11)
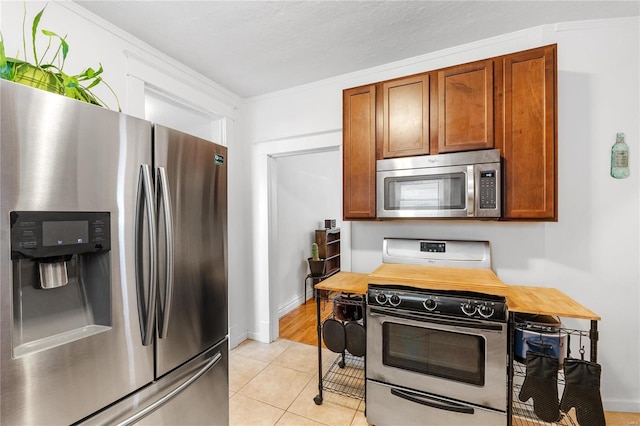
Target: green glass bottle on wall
(620,158)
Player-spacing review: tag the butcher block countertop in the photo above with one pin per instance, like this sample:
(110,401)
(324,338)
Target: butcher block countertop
(546,301)
(534,300)
(345,282)
(439,278)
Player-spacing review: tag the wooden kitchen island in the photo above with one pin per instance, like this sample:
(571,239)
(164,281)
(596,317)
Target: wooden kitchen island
(520,300)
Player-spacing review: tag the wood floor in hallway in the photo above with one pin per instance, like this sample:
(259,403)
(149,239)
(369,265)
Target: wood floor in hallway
(300,325)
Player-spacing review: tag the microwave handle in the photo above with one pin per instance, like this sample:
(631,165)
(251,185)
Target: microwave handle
(471,190)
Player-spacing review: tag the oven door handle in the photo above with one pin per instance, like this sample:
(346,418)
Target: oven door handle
(469,323)
(434,403)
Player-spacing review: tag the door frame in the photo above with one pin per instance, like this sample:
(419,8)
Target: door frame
(265,224)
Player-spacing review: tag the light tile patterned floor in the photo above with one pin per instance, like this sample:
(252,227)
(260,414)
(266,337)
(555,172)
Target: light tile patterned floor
(274,384)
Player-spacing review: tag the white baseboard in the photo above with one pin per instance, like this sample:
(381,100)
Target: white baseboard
(290,305)
(626,406)
(236,337)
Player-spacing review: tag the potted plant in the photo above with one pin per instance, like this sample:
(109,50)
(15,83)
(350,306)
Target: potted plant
(316,265)
(46,72)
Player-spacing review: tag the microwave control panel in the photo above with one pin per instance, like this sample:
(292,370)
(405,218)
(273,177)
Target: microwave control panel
(488,189)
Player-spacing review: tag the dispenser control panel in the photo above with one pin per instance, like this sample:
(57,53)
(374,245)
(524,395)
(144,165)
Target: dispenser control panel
(45,234)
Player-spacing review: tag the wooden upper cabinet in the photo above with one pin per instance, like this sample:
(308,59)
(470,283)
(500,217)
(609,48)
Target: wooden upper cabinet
(526,87)
(507,102)
(465,107)
(359,152)
(406,116)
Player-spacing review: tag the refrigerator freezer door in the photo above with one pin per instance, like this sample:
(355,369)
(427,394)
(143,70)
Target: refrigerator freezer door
(58,361)
(196,172)
(195,394)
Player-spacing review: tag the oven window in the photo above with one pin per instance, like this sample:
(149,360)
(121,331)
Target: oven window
(445,354)
(432,192)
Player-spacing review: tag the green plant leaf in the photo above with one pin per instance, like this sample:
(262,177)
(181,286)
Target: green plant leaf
(90,73)
(63,43)
(70,92)
(70,81)
(94,83)
(4,67)
(34,30)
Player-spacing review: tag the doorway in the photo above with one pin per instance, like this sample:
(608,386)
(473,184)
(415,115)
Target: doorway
(306,191)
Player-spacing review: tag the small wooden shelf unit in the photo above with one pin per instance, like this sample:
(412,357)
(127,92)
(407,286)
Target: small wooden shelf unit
(328,241)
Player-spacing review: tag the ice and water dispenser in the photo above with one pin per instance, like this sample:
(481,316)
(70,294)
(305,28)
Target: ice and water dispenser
(61,277)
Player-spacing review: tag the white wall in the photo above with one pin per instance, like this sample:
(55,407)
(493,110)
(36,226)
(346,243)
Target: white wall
(307,181)
(592,253)
(129,66)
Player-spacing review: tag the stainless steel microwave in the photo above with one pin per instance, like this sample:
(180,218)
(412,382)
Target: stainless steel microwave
(455,185)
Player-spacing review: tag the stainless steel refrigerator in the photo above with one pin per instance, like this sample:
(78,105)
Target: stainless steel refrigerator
(113,291)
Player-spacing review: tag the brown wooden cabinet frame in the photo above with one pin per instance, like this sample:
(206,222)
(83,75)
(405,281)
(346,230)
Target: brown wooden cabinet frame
(526,114)
(520,118)
(359,152)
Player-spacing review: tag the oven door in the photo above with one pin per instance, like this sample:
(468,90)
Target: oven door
(411,408)
(459,359)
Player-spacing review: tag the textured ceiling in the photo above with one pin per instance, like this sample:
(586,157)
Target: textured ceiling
(256,47)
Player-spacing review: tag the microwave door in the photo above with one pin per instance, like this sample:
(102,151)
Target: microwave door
(418,194)
(427,192)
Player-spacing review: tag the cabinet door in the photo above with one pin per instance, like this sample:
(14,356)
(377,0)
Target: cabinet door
(406,116)
(359,152)
(528,141)
(465,107)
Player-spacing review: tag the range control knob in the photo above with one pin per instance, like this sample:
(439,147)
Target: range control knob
(394,300)
(430,304)
(468,308)
(486,311)
(381,298)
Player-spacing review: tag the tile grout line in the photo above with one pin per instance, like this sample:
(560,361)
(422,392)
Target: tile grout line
(290,345)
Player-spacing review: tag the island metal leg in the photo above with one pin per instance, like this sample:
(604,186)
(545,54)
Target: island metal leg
(318,398)
(511,348)
(593,337)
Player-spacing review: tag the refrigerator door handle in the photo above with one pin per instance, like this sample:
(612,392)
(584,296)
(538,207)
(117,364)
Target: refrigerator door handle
(146,311)
(164,197)
(168,397)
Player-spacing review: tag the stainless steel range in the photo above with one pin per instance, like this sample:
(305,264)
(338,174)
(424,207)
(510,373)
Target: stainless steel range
(437,344)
